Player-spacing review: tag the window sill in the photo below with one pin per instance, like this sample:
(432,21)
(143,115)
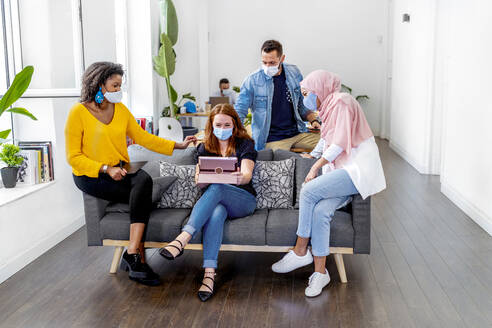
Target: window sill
(8,195)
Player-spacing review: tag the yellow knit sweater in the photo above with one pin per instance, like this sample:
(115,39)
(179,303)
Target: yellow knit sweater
(91,144)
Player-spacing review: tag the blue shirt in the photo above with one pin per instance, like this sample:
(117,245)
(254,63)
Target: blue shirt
(257,94)
(283,124)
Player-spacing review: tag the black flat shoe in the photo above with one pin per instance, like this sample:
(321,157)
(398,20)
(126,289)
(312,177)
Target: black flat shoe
(167,254)
(152,278)
(133,264)
(205,296)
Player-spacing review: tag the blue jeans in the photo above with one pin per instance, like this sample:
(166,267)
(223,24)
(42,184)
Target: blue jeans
(217,203)
(318,202)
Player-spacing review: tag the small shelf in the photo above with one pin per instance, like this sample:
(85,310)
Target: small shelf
(8,195)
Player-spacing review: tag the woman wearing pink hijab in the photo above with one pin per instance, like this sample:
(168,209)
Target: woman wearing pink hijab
(349,158)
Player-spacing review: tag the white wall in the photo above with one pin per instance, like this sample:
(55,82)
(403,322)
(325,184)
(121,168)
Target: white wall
(316,34)
(412,80)
(467,159)
(348,37)
(33,224)
(440,114)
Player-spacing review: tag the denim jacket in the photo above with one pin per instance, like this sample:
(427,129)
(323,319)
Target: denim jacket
(257,94)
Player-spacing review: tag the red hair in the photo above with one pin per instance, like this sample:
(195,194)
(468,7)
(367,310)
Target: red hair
(239,132)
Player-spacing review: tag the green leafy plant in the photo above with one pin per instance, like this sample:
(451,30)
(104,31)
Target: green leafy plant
(9,155)
(165,61)
(349,90)
(19,86)
(236,89)
(165,111)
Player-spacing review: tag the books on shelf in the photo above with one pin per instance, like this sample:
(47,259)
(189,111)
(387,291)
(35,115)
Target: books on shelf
(38,162)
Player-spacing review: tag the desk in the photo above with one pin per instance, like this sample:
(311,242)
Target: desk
(197,120)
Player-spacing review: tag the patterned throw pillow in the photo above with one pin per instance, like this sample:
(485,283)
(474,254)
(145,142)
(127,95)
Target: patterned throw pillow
(183,193)
(274,183)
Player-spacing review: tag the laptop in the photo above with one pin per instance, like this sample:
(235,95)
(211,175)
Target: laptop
(218,100)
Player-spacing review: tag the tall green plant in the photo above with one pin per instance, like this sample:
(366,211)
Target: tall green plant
(165,61)
(19,86)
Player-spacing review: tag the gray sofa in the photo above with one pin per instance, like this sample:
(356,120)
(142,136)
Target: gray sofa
(267,230)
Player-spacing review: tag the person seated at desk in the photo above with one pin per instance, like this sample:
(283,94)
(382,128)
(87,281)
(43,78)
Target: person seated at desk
(225,91)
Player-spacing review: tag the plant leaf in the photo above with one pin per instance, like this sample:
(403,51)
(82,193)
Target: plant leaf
(236,89)
(4,134)
(169,20)
(19,86)
(362,97)
(22,111)
(189,96)
(165,61)
(174,94)
(349,89)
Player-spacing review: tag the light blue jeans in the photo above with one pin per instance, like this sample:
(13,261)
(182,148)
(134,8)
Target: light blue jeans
(318,202)
(217,203)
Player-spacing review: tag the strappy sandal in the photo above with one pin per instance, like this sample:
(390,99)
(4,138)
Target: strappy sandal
(168,255)
(205,296)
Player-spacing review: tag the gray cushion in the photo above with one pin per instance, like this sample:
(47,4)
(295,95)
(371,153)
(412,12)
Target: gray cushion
(164,225)
(184,192)
(118,208)
(303,165)
(265,155)
(186,156)
(273,182)
(281,228)
(280,155)
(249,230)
(161,184)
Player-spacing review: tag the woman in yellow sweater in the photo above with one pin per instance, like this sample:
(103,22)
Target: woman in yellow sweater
(95,134)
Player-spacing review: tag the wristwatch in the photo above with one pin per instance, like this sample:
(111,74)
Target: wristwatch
(105,168)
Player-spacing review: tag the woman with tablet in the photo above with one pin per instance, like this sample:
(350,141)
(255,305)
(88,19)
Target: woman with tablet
(225,136)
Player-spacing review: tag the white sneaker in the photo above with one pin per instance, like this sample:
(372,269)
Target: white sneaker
(292,261)
(317,282)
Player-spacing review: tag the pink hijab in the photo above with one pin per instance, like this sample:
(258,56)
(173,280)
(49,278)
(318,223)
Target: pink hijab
(344,122)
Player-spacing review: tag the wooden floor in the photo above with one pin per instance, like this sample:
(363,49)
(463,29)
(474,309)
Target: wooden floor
(430,266)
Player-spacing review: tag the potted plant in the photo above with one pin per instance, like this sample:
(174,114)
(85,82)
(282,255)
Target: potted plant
(349,91)
(10,156)
(164,65)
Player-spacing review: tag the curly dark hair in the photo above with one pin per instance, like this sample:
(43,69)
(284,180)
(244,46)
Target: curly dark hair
(96,75)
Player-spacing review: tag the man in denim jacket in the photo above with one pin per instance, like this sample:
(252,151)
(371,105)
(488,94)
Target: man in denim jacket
(274,96)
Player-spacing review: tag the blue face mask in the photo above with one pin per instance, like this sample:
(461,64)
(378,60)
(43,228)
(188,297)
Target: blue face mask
(223,134)
(310,101)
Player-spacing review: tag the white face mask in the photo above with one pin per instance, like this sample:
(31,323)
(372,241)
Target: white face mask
(114,97)
(226,91)
(270,70)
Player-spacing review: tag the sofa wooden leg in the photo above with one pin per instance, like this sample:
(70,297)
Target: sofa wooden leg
(118,250)
(340,267)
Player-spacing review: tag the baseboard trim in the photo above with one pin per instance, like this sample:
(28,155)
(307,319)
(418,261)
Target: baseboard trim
(16,264)
(409,158)
(480,218)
